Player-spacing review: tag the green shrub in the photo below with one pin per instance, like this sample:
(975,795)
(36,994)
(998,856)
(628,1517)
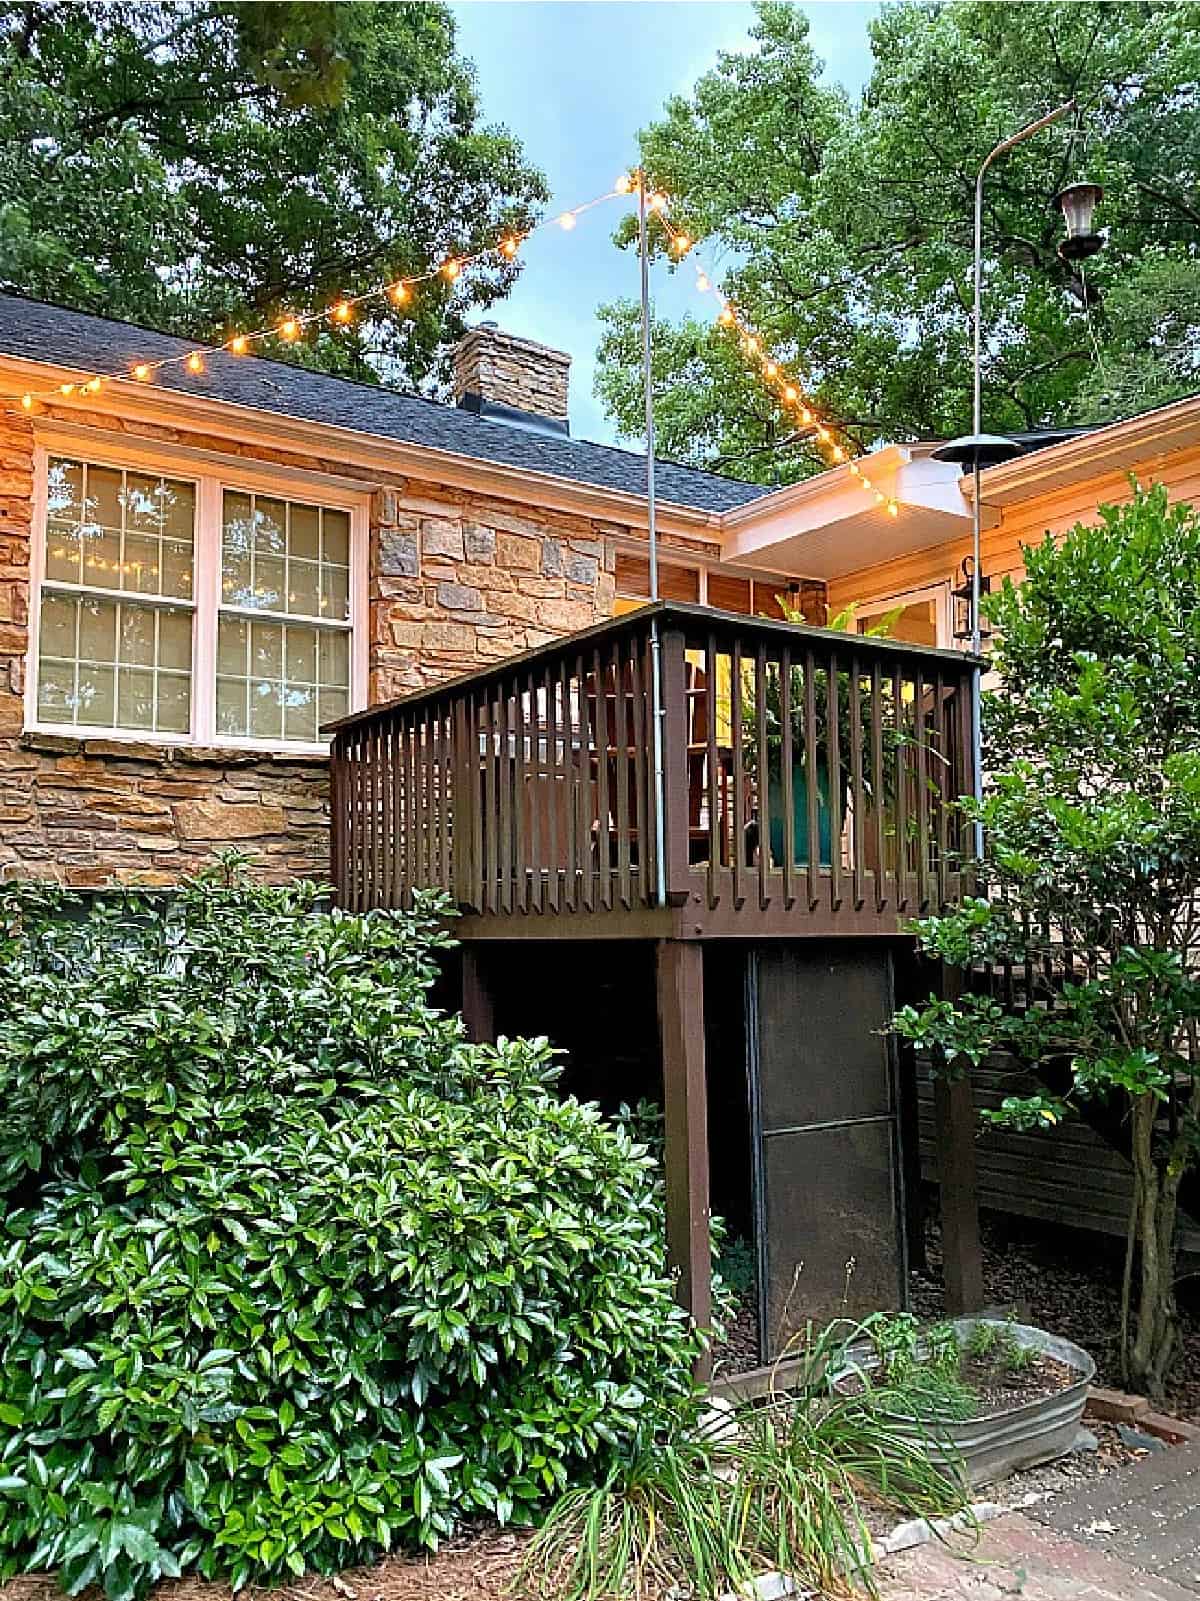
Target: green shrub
(290,1273)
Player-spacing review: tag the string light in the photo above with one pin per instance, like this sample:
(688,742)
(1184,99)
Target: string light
(778,381)
(27,402)
(291,326)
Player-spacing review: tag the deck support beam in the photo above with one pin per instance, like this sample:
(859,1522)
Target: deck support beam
(955,1127)
(478,1005)
(680,984)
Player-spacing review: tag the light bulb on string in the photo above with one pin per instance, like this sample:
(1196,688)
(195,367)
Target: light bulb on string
(567,221)
(623,185)
(510,246)
(195,362)
(66,389)
(27,402)
(702,283)
(238,344)
(398,292)
(450,269)
(289,329)
(141,372)
(343,312)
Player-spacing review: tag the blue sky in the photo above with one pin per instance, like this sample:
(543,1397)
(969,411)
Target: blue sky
(575,80)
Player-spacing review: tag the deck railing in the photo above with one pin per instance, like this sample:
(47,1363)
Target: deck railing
(806,775)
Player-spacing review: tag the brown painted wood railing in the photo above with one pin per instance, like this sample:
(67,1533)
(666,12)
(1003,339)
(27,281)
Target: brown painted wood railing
(808,778)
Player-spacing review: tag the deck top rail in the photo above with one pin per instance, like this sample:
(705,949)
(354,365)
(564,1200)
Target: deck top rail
(808,783)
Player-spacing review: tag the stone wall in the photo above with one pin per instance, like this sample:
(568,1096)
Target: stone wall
(457,580)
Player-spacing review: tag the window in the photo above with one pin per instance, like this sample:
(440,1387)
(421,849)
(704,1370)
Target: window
(283,640)
(187,608)
(757,596)
(115,642)
(917,618)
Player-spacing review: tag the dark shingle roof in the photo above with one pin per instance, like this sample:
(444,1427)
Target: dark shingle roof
(41,332)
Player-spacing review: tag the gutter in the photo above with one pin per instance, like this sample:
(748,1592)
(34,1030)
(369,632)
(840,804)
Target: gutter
(373,452)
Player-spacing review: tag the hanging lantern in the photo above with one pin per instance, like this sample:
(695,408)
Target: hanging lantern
(1078,202)
(961,596)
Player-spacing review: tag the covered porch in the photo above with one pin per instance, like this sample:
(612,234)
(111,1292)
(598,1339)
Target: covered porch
(803,815)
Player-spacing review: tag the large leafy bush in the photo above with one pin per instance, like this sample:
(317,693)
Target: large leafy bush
(290,1272)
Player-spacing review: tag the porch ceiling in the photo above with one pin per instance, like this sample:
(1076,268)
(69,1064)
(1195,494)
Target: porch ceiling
(829,526)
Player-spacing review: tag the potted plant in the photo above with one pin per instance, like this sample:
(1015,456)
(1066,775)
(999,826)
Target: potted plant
(992,1393)
(831,797)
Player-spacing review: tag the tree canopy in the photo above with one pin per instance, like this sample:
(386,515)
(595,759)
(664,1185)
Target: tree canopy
(205,166)
(843,231)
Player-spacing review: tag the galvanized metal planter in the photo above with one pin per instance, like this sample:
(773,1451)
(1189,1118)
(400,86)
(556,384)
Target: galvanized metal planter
(1021,1436)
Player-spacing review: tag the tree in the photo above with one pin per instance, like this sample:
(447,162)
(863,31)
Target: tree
(1092,863)
(845,230)
(205,166)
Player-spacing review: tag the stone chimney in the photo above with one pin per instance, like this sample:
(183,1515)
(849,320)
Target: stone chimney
(511,379)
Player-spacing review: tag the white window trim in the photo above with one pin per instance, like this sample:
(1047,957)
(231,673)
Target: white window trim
(211,476)
(939,594)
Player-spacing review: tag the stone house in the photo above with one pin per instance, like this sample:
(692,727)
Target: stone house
(199,572)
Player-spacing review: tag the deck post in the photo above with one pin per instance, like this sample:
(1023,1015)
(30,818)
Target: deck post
(478,1009)
(955,1128)
(680,983)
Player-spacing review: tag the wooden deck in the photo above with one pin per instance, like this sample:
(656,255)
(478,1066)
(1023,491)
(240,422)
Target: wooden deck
(807,785)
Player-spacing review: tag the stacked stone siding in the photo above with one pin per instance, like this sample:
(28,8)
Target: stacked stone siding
(503,368)
(457,580)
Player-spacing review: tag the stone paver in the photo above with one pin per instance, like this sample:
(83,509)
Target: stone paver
(1017,1557)
(1147,1514)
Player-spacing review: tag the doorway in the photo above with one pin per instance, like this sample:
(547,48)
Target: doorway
(828,1186)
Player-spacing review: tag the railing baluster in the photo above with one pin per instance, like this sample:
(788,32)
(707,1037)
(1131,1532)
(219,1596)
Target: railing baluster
(537,781)
(621,736)
(504,845)
(584,823)
(786,774)
(642,867)
(553,783)
(903,768)
(945,773)
(812,780)
(570,802)
(709,758)
(737,858)
(878,783)
(833,783)
(603,745)
(920,728)
(858,827)
(764,767)
(520,780)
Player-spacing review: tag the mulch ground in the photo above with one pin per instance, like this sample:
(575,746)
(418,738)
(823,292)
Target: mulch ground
(479,1566)
(1070,1282)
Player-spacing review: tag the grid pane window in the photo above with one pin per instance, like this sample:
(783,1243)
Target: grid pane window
(279,677)
(105,661)
(108,528)
(125,626)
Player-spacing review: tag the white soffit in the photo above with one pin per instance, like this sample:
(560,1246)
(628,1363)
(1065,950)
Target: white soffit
(830,526)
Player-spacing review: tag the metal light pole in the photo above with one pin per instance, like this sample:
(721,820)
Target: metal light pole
(979,450)
(658,711)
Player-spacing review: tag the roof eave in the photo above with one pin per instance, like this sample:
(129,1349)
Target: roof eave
(428,463)
(1114,448)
